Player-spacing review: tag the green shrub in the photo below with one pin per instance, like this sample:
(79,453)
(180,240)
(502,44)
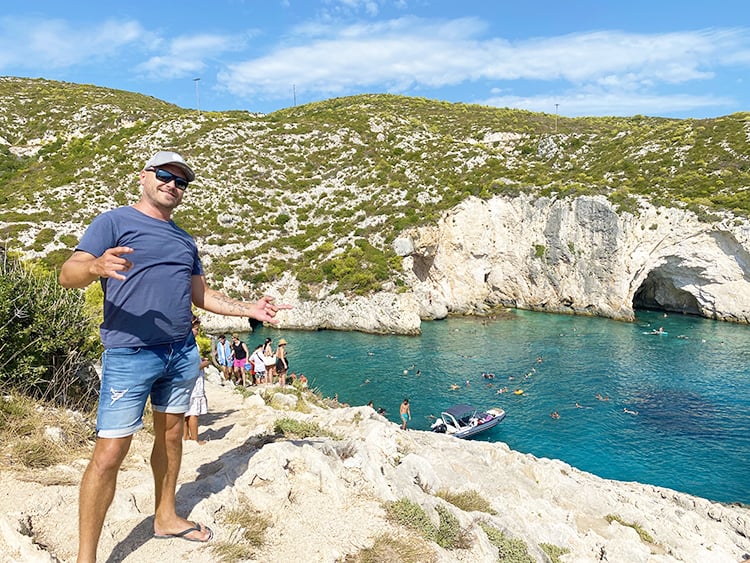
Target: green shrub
(644,535)
(553,551)
(509,550)
(46,337)
(292,428)
(447,535)
(411,515)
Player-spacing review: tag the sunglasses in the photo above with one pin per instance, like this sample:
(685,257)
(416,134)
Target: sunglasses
(166,177)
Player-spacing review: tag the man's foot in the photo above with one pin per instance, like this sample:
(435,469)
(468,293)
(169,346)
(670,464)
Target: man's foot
(197,533)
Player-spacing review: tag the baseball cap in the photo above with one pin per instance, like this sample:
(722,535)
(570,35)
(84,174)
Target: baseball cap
(163,158)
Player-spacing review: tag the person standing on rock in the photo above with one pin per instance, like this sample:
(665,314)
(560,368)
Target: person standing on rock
(405,411)
(241,355)
(260,367)
(198,400)
(269,359)
(223,356)
(282,364)
(151,274)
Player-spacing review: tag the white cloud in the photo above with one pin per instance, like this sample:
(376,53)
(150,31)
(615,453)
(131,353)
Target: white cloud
(609,103)
(399,53)
(369,7)
(48,44)
(184,56)
(408,54)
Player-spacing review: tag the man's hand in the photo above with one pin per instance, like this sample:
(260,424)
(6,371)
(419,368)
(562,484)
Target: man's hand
(265,309)
(111,263)
(83,268)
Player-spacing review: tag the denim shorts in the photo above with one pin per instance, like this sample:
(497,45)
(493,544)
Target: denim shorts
(166,373)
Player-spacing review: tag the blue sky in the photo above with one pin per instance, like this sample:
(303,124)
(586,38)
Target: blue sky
(603,57)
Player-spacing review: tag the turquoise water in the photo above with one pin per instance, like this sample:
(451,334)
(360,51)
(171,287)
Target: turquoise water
(690,388)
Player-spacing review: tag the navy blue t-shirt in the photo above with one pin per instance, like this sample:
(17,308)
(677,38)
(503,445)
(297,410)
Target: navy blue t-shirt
(153,305)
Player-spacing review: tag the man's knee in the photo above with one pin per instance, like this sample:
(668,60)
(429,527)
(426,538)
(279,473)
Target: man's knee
(109,454)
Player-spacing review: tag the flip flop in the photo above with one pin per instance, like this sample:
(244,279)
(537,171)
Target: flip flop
(183,534)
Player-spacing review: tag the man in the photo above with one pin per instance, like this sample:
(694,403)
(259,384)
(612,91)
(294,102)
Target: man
(223,356)
(151,275)
(405,411)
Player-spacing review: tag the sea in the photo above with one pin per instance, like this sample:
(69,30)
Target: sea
(670,409)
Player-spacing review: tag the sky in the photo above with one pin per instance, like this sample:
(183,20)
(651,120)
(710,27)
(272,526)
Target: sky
(578,58)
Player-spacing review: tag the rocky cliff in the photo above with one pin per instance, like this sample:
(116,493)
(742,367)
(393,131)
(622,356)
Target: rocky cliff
(328,497)
(577,256)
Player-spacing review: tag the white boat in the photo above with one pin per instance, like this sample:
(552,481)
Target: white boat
(464,421)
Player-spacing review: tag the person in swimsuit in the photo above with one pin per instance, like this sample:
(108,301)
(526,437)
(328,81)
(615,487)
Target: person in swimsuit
(405,411)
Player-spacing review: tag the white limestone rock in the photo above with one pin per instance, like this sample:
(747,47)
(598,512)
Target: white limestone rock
(579,256)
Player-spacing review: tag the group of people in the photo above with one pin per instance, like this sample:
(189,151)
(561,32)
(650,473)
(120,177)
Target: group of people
(263,365)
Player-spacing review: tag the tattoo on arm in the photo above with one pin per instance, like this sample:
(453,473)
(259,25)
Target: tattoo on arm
(226,305)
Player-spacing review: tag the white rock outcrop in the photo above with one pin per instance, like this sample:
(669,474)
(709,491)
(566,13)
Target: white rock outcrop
(578,256)
(381,313)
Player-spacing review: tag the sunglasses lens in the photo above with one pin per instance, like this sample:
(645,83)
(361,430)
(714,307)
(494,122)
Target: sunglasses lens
(166,177)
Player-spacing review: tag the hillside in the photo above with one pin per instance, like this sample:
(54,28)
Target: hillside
(322,190)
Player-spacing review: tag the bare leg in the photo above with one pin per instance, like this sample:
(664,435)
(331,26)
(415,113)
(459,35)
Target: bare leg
(166,457)
(97,491)
(191,429)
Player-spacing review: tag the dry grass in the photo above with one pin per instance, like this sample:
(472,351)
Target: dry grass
(36,436)
(247,532)
(390,549)
(468,501)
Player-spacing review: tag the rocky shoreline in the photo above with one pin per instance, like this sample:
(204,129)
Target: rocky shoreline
(323,498)
(579,256)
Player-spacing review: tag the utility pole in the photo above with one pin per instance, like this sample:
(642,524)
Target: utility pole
(197,94)
(556,106)
(294,94)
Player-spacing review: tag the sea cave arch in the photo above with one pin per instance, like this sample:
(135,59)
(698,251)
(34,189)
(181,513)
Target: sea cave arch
(659,292)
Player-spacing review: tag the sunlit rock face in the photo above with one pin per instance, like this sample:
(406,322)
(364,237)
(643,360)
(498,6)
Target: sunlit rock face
(578,256)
